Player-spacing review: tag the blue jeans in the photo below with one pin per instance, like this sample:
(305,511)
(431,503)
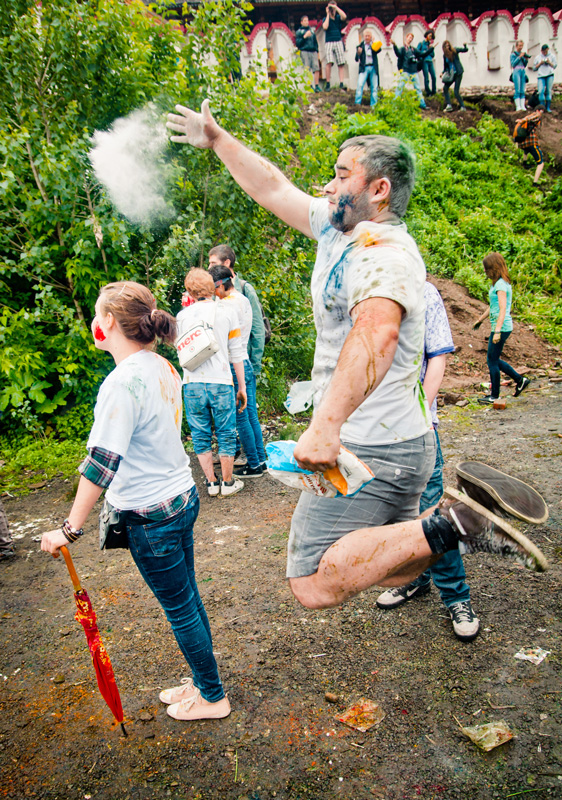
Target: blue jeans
(519,82)
(544,86)
(429,72)
(496,365)
(163,552)
(403,79)
(205,403)
(247,422)
(369,74)
(448,573)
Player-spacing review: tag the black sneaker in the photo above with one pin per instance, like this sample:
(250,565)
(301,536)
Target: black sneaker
(466,624)
(501,493)
(488,400)
(6,555)
(481,531)
(342,86)
(521,386)
(248,472)
(399,595)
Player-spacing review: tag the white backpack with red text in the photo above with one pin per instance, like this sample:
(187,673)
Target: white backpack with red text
(197,344)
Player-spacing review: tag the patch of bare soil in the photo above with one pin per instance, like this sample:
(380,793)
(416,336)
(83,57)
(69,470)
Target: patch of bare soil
(319,110)
(278,660)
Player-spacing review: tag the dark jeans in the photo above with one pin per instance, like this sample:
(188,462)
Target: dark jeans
(247,422)
(163,552)
(456,85)
(429,72)
(496,365)
(448,573)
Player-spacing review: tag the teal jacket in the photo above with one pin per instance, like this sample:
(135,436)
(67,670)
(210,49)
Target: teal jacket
(256,342)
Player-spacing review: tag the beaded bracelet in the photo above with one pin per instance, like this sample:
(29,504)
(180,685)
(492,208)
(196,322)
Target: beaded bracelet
(71,534)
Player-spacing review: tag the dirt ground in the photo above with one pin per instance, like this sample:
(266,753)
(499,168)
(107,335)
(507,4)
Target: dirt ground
(278,660)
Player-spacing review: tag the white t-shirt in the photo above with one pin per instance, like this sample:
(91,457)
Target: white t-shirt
(375,260)
(244,311)
(226,326)
(138,416)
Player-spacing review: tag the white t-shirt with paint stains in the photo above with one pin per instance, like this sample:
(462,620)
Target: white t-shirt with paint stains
(375,260)
(244,311)
(138,416)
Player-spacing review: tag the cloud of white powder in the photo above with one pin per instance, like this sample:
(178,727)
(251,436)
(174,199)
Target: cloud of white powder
(128,161)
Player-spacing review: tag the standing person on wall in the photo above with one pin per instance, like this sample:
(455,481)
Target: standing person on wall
(499,311)
(518,61)
(136,453)
(544,65)
(407,62)
(307,44)
(452,73)
(426,50)
(333,25)
(367,56)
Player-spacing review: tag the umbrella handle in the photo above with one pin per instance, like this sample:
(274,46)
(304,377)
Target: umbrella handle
(73,574)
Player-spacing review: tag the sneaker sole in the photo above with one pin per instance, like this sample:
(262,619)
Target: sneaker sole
(244,476)
(466,637)
(539,560)
(481,482)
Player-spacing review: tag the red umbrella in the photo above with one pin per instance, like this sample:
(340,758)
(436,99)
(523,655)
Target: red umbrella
(86,616)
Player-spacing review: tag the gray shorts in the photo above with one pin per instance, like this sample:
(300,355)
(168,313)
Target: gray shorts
(334,52)
(401,471)
(310,60)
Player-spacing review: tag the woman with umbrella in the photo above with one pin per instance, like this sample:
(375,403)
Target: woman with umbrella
(135,452)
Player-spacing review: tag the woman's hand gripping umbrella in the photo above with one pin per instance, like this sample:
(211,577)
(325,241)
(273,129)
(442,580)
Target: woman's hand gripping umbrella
(86,616)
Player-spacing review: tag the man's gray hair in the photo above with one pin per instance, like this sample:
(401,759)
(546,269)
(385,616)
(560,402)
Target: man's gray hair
(386,157)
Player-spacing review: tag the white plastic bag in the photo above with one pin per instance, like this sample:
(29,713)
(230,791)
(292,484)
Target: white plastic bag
(344,480)
(299,397)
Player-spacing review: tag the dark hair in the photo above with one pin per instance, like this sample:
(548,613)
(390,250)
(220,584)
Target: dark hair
(540,107)
(224,251)
(222,273)
(304,16)
(386,157)
(429,33)
(494,263)
(134,308)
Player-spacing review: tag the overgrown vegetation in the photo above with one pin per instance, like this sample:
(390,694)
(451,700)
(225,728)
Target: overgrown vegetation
(69,69)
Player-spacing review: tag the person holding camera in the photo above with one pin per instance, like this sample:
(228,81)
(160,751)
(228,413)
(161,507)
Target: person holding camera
(333,25)
(307,44)
(544,65)
(408,67)
(518,61)
(452,73)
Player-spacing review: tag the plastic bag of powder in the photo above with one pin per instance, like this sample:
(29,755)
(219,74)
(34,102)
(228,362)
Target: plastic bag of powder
(346,479)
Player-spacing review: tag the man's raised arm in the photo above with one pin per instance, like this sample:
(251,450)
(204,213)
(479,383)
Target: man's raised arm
(264,182)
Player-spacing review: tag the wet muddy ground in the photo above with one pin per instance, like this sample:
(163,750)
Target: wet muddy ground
(278,660)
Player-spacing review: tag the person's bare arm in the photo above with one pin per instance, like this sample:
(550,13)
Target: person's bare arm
(481,318)
(502,302)
(86,498)
(342,14)
(433,376)
(241,396)
(258,177)
(364,360)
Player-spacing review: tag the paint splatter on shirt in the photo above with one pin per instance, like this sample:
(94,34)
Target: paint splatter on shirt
(375,260)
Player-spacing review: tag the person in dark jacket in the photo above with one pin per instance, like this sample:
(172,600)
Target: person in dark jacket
(367,56)
(426,51)
(408,66)
(452,67)
(333,25)
(308,46)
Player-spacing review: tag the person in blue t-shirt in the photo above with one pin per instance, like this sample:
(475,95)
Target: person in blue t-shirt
(501,324)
